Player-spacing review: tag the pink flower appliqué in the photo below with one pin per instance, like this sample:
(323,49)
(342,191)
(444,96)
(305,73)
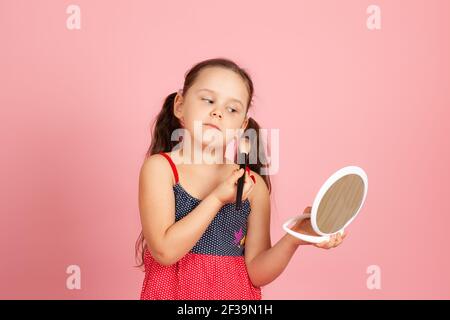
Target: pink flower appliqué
(238,236)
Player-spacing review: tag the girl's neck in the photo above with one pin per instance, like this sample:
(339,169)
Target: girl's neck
(202,159)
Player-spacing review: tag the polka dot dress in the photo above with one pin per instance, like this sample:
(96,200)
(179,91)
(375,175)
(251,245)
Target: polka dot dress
(214,268)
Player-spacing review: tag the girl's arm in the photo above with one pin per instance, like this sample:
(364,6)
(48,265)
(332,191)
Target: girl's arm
(167,240)
(264,262)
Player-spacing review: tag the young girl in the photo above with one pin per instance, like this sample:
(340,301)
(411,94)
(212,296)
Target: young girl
(194,244)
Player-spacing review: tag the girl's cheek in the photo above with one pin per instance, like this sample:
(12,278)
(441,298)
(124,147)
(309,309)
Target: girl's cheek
(231,134)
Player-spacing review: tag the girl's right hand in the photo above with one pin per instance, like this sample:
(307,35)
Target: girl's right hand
(226,191)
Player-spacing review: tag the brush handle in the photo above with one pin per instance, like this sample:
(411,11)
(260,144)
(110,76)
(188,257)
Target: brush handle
(240,184)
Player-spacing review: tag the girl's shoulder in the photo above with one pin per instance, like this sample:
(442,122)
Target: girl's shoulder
(154,160)
(156,166)
(260,190)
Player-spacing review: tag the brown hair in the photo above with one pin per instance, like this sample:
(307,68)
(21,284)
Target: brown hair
(166,122)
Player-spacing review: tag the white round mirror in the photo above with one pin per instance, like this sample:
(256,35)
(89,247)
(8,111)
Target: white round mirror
(335,206)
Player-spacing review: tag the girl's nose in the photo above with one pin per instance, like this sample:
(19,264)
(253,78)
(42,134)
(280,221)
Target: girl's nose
(217,113)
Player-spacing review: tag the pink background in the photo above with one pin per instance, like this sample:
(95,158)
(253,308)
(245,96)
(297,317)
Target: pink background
(76,106)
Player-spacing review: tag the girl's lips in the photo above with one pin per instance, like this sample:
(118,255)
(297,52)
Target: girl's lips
(212,126)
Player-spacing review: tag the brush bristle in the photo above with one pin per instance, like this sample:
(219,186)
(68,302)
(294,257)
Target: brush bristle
(244,145)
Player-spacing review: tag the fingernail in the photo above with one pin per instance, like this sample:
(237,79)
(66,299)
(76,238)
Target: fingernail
(253,178)
(247,169)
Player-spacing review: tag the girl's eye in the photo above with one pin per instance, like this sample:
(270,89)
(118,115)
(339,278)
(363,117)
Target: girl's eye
(211,101)
(207,100)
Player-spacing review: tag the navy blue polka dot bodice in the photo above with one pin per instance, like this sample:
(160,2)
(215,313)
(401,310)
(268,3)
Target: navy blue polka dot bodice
(225,236)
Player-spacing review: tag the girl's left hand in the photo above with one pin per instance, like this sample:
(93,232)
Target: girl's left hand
(334,241)
(305,226)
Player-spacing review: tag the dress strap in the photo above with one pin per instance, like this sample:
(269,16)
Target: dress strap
(174,168)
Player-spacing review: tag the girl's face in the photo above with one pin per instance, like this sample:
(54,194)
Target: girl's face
(218,98)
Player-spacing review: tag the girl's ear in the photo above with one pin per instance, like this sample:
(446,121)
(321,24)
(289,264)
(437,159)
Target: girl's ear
(178,106)
(245,123)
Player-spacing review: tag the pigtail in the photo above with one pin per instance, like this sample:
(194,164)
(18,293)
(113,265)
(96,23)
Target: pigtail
(163,126)
(257,146)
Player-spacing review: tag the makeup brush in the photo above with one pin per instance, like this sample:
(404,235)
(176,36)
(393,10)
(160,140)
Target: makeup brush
(244,150)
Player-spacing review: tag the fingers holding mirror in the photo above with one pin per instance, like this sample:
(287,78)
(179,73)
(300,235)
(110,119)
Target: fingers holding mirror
(334,241)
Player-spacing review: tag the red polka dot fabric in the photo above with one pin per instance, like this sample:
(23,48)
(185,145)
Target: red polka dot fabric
(198,277)
(214,269)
